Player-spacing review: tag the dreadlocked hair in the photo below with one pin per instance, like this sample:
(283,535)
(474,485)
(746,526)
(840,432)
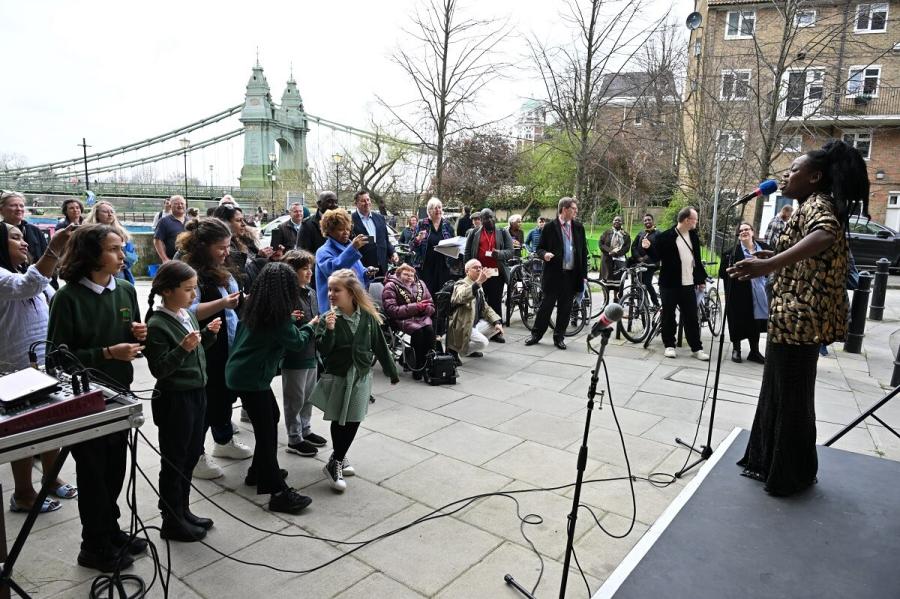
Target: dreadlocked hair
(195,243)
(844,177)
(347,279)
(169,276)
(275,293)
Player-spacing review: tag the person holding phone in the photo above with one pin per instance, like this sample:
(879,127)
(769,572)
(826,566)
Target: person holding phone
(338,252)
(379,250)
(473,321)
(492,247)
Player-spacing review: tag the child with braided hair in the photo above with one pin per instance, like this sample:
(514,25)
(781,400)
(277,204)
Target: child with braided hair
(176,354)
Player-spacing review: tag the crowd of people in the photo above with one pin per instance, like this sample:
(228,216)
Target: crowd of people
(225,317)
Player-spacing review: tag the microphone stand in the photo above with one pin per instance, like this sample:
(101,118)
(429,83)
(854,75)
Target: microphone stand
(582,464)
(705,451)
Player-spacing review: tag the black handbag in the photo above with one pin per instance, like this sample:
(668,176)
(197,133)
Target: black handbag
(440,367)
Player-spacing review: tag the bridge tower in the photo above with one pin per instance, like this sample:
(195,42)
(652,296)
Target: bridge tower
(267,126)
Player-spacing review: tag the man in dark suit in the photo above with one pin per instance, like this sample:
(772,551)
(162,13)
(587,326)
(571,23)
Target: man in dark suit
(311,238)
(287,234)
(366,222)
(563,248)
(681,275)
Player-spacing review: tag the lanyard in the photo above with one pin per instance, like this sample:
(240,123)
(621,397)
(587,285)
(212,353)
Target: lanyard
(567,230)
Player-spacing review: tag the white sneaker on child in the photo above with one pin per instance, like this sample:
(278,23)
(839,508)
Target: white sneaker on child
(234,450)
(207,469)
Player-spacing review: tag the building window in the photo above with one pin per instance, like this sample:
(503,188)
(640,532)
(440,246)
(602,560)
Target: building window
(894,199)
(740,24)
(697,48)
(731,145)
(871,18)
(805,18)
(802,92)
(791,144)
(863,81)
(861,140)
(735,85)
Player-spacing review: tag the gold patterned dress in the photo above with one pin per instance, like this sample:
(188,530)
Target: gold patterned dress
(808,309)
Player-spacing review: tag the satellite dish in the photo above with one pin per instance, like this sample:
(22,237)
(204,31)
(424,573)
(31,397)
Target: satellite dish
(694,20)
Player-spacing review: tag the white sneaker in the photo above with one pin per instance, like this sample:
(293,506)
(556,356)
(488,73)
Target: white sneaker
(235,429)
(207,469)
(670,352)
(347,468)
(234,450)
(701,355)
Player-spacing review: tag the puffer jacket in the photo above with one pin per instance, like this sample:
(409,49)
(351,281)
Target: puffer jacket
(401,304)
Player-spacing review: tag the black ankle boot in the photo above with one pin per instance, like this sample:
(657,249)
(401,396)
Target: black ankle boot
(179,529)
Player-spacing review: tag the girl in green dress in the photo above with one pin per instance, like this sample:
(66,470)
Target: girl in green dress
(348,337)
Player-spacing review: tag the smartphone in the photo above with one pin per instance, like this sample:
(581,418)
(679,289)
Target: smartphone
(492,272)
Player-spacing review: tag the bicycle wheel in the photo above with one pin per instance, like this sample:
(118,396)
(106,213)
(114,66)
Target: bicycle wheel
(581,312)
(655,326)
(529,303)
(599,295)
(635,322)
(514,290)
(713,311)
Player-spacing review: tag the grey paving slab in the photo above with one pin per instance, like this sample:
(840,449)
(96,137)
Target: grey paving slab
(544,429)
(489,387)
(548,402)
(538,464)
(599,551)
(378,456)
(605,445)
(468,442)
(378,585)
(441,480)
(432,399)
(481,411)
(406,423)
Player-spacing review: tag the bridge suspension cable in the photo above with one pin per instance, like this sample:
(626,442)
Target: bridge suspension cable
(130,147)
(367,134)
(157,157)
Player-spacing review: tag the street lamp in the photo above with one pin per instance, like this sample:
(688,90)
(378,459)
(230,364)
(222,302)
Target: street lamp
(272,167)
(185,144)
(337,174)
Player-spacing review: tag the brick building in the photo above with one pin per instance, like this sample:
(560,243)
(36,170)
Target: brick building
(767,81)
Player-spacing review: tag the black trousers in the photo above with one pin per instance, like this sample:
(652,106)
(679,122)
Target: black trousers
(219,402)
(179,416)
(264,415)
(685,298)
(560,297)
(493,293)
(647,280)
(422,342)
(100,466)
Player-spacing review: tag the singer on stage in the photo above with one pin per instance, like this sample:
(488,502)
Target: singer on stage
(808,308)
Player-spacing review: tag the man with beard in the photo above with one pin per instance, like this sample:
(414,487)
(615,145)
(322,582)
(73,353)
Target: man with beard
(613,246)
(640,256)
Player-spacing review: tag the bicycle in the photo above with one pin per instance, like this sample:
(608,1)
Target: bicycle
(519,292)
(629,291)
(709,308)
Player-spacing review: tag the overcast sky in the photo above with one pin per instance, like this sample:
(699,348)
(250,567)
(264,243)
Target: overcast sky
(116,72)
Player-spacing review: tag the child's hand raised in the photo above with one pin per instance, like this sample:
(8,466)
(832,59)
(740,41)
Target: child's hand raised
(297,314)
(214,325)
(330,319)
(191,341)
(314,321)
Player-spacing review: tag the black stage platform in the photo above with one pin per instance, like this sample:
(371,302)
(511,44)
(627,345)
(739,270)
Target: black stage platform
(726,537)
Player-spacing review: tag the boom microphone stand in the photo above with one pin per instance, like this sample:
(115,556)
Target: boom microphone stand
(582,464)
(705,451)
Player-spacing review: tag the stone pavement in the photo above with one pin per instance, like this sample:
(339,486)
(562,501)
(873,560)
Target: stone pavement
(513,422)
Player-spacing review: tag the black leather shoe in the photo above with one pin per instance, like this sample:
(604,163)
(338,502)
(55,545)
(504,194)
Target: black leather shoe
(204,523)
(109,560)
(559,343)
(499,338)
(136,546)
(736,356)
(757,357)
(532,341)
(179,529)
(475,354)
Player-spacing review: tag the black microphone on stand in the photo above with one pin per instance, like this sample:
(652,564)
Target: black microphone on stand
(611,315)
(767,187)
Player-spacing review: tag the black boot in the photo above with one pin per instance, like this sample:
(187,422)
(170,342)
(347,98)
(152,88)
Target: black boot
(175,528)
(736,356)
(204,523)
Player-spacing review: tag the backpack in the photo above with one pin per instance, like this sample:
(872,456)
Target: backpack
(442,308)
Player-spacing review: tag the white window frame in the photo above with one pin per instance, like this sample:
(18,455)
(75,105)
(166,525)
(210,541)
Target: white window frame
(871,7)
(737,73)
(727,152)
(814,16)
(862,82)
(893,195)
(856,133)
(810,106)
(795,146)
(741,15)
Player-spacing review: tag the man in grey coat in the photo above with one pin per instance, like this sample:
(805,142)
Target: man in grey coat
(492,247)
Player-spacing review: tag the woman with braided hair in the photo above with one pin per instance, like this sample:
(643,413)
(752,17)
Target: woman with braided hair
(808,308)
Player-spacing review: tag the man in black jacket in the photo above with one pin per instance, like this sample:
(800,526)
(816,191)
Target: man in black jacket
(287,234)
(311,238)
(639,256)
(681,275)
(366,222)
(563,248)
(464,224)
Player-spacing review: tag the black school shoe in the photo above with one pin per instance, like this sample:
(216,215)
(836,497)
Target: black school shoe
(303,448)
(250,479)
(136,546)
(288,501)
(106,560)
(204,523)
(315,440)
(179,529)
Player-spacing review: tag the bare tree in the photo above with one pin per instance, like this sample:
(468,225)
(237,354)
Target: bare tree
(452,61)
(608,38)
(371,168)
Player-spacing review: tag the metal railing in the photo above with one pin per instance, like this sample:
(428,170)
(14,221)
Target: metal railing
(37,185)
(885,102)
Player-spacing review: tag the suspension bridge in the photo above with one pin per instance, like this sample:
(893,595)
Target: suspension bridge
(265,142)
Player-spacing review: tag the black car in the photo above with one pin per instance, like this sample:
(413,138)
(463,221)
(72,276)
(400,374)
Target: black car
(870,241)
